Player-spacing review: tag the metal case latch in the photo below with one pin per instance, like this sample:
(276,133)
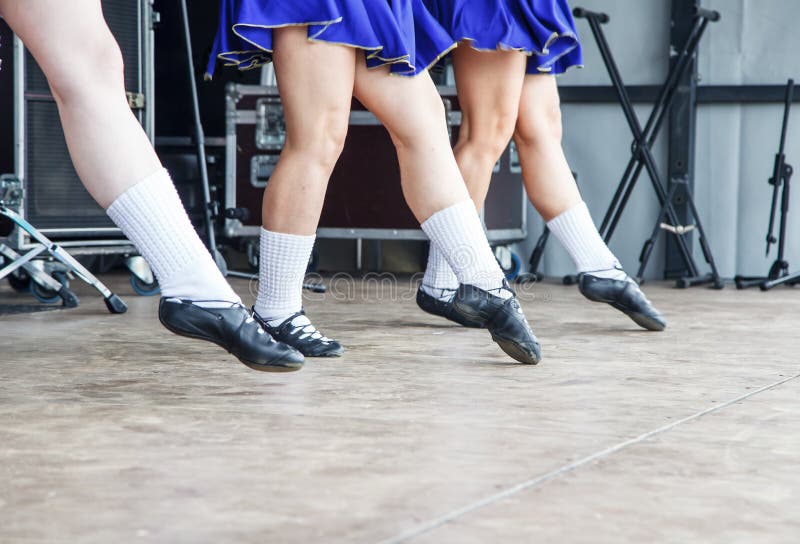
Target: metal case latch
(270,125)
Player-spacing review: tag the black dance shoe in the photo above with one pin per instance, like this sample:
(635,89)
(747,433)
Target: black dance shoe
(232,328)
(304,338)
(441,308)
(504,319)
(625,296)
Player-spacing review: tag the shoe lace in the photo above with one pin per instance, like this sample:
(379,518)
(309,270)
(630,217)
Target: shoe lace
(504,287)
(302,325)
(445,294)
(617,267)
(251,320)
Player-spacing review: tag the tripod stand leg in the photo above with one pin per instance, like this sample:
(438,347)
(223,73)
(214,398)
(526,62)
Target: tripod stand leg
(113,302)
(43,287)
(715,277)
(533,274)
(790,280)
(647,248)
(745,282)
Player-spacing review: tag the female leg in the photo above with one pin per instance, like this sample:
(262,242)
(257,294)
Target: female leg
(436,194)
(489,85)
(545,30)
(115,161)
(553,192)
(315,81)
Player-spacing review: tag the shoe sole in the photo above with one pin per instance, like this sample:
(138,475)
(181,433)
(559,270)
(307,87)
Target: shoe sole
(517,352)
(640,319)
(269,368)
(325,355)
(275,369)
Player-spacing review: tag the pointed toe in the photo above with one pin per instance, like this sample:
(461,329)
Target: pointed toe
(625,296)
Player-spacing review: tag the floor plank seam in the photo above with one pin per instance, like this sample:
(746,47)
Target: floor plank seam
(435,523)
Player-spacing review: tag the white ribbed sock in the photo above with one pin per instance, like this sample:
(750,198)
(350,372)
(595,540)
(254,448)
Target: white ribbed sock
(284,260)
(578,234)
(458,233)
(439,281)
(152,217)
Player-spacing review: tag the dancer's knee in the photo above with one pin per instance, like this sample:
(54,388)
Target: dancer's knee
(319,145)
(539,124)
(96,65)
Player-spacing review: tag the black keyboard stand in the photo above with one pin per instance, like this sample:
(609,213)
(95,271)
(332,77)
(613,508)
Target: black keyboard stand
(642,155)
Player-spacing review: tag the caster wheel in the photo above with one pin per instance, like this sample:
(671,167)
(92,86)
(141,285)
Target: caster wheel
(20,282)
(48,296)
(43,294)
(513,270)
(144,289)
(681,283)
(569,280)
(313,261)
(252,251)
(719,285)
(525,279)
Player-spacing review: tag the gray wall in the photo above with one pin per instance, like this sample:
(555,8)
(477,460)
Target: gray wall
(756,42)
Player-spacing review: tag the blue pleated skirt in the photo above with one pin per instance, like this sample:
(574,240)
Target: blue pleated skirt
(402,34)
(544,29)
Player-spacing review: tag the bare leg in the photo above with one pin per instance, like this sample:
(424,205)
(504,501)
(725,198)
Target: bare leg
(552,190)
(489,87)
(547,176)
(110,151)
(413,113)
(83,64)
(316,86)
(115,161)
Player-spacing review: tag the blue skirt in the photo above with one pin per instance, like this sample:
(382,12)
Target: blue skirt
(402,33)
(544,29)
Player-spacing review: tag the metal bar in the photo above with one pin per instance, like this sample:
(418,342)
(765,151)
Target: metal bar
(681,139)
(22,260)
(198,129)
(681,63)
(148,68)
(706,94)
(630,115)
(638,94)
(616,78)
(20,109)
